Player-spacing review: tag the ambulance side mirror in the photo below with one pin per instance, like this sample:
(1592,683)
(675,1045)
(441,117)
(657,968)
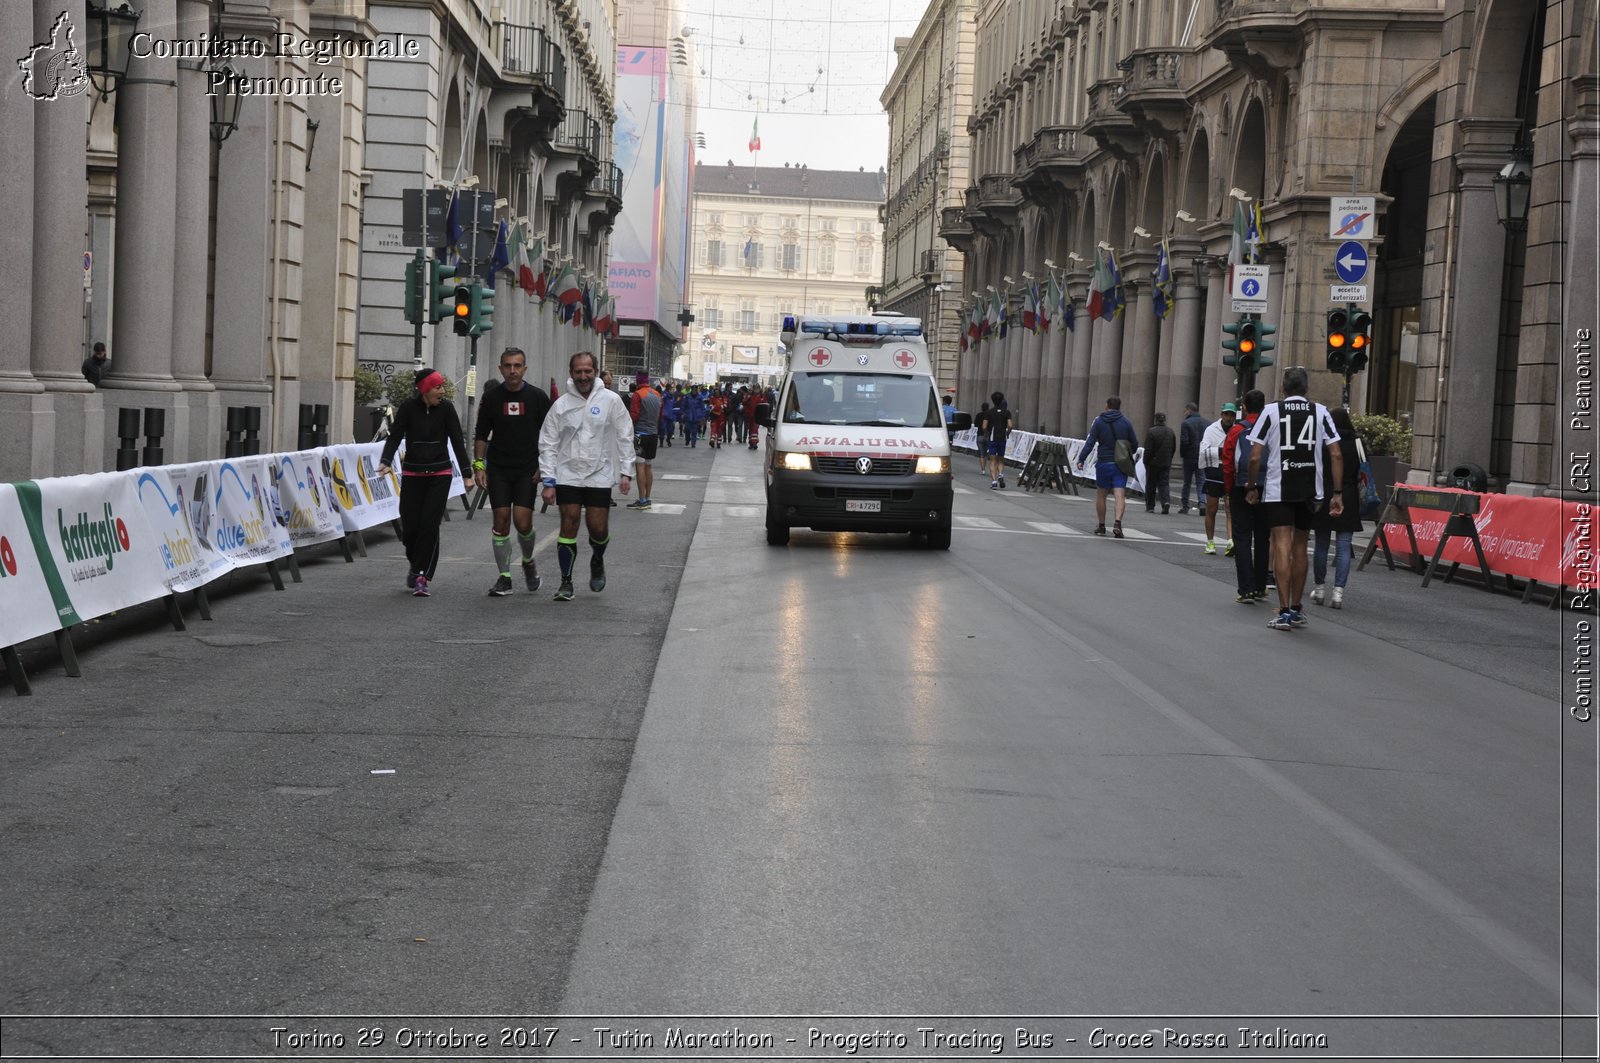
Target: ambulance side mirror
(764,415)
(960,422)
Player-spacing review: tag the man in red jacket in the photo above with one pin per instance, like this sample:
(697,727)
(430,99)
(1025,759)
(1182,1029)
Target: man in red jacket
(751,401)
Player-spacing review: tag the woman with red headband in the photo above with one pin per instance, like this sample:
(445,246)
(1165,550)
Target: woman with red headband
(428,424)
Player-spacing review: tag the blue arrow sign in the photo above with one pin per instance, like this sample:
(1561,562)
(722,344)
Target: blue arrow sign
(1351,261)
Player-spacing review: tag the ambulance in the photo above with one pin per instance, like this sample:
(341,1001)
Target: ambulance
(858,440)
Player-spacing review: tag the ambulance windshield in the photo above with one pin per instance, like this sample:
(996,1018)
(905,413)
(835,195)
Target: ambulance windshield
(881,399)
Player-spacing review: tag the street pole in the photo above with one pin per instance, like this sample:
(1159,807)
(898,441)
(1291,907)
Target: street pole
(424,294)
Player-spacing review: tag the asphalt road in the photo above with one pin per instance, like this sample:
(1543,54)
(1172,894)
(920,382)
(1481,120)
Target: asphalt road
(1041,775)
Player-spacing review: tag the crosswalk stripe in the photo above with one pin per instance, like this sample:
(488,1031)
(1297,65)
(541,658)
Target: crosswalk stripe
(742,511)
(1134,533)
(669,508)
(678,476)
(1072,498)
(975,522)
(1054,529)
(1198,537)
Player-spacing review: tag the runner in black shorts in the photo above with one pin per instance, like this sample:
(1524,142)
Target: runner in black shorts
(506,452)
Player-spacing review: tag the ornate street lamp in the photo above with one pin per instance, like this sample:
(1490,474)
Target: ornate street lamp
(225,105)
(1512,189)
(110,32)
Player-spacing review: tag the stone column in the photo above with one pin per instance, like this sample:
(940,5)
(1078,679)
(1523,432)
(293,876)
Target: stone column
(1216,379)
(195,431)
(1169,328)
(242,325)
(1181,367)
(1053,375)
(60,200)
(1267,379)
(1012,345)
(1138,376)
(25,442)
(1031,389)
(1105,366)
(1076,385)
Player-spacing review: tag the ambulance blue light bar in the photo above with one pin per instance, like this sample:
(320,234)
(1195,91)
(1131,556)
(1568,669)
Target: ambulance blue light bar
(827,326)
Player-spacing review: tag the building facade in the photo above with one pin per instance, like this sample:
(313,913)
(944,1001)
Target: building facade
(929,95)
(519,95)
(771,242)
(1098,120)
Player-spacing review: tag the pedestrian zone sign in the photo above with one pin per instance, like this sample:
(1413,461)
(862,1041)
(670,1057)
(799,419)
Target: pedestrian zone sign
(1249,289)
(1351,218)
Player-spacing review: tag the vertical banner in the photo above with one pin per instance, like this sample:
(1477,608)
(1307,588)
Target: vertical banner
(639,137)
(247,527)
(304,498)
(168,495)
(95,548)
(27,609)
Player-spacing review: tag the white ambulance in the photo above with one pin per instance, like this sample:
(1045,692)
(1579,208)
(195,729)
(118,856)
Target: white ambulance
(858,440)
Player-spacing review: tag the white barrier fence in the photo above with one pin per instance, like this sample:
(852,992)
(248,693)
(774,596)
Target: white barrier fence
(1019,447)
(74,548)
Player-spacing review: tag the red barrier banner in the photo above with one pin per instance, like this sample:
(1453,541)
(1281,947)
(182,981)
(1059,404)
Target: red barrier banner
(1544,539)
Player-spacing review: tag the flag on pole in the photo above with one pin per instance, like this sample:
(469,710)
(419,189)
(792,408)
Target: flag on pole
(1049,308)
(566,285)
(452,226)
(1161,287)
(1252,233)
(1030,307)
(1105,295)
(975,321)
(1236,242)
(525,276)
(755,134)
(502,254)
(602,318)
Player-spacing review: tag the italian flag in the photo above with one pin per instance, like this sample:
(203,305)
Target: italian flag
(602,315)
(525,260)
(566,287)
(755,134)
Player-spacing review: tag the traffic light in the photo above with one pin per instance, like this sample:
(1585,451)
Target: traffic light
(1231,341)
(416,291)
(1266,343)
(482,309)
(441,296)
(1338,340)
(1360,340)
(1249,344)
(461,309)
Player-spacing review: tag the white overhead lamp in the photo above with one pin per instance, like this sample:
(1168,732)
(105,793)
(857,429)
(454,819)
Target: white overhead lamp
(1185,216)
(1240,194)
(1141,232)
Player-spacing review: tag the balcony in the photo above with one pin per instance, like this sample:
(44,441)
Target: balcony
(954,229)
(1052,158)
(1264,37)
(1153,95)
(529,57)
(603,197)
(1111,128)
(973,213)
(1001,201)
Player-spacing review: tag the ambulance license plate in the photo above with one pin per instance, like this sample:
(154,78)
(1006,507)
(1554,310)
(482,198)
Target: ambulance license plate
(863,505)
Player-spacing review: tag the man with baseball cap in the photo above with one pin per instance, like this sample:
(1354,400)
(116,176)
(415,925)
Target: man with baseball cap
(1211,467)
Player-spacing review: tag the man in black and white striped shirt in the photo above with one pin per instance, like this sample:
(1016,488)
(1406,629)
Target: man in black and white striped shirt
(1287,446)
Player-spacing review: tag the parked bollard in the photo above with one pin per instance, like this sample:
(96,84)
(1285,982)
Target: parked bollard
(155,426)
(308,428)
(235,443)
(252,430)
(320,420)
(127,439)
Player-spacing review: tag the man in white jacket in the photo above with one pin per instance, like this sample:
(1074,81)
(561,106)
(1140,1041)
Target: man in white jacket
(1216,491)
(585,447)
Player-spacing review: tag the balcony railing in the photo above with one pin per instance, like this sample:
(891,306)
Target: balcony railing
(1158,70)
(579,133)
(607,181)
(529,51)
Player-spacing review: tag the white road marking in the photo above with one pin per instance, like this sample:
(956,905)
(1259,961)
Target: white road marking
(669,508)
(1054,529)
(680,476)
(743,511)
(1198,537)
(1135,533)
(975,522)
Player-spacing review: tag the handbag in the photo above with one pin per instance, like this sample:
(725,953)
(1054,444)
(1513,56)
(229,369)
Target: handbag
(1122,453)
(1366,488)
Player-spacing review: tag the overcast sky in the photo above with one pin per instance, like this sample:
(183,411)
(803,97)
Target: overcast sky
(810,70)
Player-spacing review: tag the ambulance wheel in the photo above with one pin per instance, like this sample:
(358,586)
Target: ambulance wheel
(777,532)
(939,538)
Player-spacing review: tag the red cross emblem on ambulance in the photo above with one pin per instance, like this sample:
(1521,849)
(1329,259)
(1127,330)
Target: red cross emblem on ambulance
(904,359)
(820,357)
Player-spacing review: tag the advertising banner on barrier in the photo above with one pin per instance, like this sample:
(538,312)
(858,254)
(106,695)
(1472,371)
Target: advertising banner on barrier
(1530,538)
(27,609)
(174,498)
(365,498)
(308,508)
(95,547)
(247,527)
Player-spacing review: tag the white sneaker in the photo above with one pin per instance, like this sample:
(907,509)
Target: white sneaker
(1337,602)
(1316,595)
(1211,547)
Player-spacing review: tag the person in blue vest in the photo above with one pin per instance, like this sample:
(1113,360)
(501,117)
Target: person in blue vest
(1109,477)
(694,414)
(669,413)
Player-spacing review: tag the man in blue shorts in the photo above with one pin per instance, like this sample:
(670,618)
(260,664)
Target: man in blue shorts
(1101,439)
(994,427)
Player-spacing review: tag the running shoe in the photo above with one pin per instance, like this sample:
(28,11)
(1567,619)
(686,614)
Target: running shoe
(597,577)
(1260,596)
(1337,602)
(1316,595)
(1116,529)
(1282,622)
(1211,547)
(994,485)
(1099,529)
(501,588)
(411,581)
(564,594)
(1229,551)
(643,503)
(420,588)
(1002,483)
(530,575)
(1297,618)
(1246,598)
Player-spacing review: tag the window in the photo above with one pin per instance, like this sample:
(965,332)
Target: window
(711,313)
(754,254)
(791,221)
(827,225)
(713,255)
(752,221)
(791,257)
(863,259)
(826,265)
(747,315)
(823,308)
(714,220)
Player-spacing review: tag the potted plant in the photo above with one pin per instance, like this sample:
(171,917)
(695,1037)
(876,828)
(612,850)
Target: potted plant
(1388,446)
(369,396)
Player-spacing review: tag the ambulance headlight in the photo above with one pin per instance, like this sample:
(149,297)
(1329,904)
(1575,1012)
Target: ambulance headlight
(794,462)
(933,465)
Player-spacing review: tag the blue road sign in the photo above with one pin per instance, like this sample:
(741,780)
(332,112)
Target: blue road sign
(1250,288)
(1351,261)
